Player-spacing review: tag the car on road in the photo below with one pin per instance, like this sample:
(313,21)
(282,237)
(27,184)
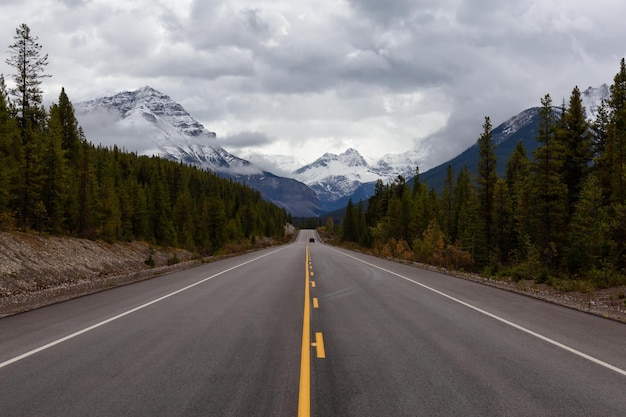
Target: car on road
(312,240)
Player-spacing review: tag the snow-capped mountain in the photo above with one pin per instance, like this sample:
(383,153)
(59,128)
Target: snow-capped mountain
(338,177)
(165,130)
(150,122)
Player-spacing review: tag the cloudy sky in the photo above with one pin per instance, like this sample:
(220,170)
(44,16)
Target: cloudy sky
(302,78)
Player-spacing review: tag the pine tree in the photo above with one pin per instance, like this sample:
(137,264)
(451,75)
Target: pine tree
(549,193)
(616,141)
(602,162)
(349,223)
(616,151)
(466,208)
(26,58)
(578,147)
(486,180)
(55,173)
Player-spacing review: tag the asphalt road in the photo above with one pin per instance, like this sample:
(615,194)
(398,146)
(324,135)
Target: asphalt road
(308,329)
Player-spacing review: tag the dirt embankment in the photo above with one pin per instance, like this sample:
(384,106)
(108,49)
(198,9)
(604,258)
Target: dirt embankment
(37,270)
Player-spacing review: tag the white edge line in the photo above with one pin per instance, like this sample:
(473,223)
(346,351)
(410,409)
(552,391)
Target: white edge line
(109,320)
(500,319)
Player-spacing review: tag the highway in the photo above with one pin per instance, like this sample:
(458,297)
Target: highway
(306,329)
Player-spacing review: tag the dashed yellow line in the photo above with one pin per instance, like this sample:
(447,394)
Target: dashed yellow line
(319,345)
(304,399)
(316,303)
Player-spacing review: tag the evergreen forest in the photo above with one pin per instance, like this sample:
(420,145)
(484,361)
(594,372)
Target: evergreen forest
(557,216)
(54,181)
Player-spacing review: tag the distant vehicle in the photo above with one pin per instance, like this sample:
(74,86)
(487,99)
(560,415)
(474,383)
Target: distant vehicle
(312,240)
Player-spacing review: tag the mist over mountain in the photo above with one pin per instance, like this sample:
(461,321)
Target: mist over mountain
(149,122)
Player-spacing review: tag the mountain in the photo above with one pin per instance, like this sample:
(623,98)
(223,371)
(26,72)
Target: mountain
(520,128)
(338,178)
(150,122)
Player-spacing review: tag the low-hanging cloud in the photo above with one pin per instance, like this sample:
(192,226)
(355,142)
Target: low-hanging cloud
(243,140)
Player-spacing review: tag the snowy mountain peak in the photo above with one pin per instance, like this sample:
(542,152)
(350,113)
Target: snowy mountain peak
(146,104)
(352,157)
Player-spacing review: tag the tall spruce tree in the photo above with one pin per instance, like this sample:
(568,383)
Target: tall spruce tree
(27,59)
(602,159)
(548,192)
(616,151)
(29,63)
(486,186)
(578,147)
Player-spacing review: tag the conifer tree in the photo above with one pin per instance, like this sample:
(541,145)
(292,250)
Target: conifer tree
(502,220)
(349,223)
(55,194)
(578,147)
(486,180)
(589,241)
(29,63)
(549,193)
(616,141)
(9,138)
(447,205)
(602,156)
(466,208)
(517,181)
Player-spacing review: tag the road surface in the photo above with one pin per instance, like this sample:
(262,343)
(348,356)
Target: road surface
(307,329)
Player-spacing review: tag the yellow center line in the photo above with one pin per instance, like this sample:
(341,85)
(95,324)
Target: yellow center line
(304,400)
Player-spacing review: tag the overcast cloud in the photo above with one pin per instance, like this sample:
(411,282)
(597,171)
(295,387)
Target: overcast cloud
(303,78)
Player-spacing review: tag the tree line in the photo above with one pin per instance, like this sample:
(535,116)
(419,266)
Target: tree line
(54,181)
(559,214)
